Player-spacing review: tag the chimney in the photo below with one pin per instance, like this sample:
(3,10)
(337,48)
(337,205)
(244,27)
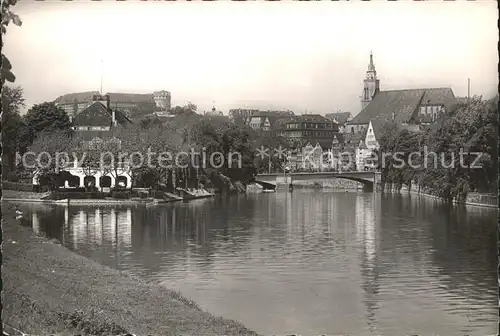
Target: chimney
(108,107)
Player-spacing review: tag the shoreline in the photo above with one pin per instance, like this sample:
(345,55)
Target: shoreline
(424,194)
(48,290)
(36,198)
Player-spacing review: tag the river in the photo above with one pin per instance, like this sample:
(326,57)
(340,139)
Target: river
(310,262)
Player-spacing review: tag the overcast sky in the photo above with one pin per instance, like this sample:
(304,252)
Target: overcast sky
(300,56)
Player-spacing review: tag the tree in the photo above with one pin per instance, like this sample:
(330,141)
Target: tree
(12,102)
(45,117)
(7,17)
(447,171)
(56,147)
(190,108)
(272,142)
(240,116)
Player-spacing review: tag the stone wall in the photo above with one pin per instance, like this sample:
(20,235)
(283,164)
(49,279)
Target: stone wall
(330,183)
(473,198)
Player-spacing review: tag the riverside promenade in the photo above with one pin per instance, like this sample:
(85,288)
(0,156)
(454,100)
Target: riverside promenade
(51,290)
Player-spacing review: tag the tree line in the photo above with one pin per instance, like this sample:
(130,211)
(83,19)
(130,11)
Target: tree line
(452,157)
(47,128)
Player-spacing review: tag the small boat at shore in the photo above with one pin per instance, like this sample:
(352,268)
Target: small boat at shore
(268,190)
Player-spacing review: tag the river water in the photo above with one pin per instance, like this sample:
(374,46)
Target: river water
(309,262)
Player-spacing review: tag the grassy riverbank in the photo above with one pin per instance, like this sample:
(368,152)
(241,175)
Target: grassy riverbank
(49,289)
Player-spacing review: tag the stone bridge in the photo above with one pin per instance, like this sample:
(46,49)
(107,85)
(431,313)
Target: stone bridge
(370,179)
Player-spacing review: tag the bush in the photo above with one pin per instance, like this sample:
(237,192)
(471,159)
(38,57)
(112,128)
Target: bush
(58,195)
(120,194)
(17,186)
(12,176)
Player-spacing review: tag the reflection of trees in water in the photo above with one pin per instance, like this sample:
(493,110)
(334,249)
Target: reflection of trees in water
(47,221)
(371,288)
(464,248)
(462,241)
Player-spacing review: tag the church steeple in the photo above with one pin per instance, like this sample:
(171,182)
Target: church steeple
(371,84)
(371,66)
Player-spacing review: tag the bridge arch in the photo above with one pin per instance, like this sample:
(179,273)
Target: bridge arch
(368,179)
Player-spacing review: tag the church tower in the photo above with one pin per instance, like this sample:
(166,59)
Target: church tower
(371,84)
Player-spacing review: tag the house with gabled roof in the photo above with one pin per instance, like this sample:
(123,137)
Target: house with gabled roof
(313,128)
(268,120)
(99,119)
(94,127)
(341,118)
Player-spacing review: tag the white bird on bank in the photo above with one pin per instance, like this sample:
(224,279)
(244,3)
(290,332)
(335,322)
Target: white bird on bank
(19,214)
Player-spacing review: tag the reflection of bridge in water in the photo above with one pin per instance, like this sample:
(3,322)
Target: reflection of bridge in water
(371,180)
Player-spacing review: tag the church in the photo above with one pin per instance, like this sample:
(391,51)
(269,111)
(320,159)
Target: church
(410,108)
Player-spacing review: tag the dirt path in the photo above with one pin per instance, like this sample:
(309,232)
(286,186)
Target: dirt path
(49,289)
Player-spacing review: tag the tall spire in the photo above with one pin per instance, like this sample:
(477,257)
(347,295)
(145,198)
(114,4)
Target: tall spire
(371,66)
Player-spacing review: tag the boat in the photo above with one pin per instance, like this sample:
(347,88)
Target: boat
(194,194)
(268,190)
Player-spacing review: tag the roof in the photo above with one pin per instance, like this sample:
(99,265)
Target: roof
(378,126)
(310,118)
(274,120)
(130,97)
(340,117)
(97,115)
(78,96)
(114,97)
(403,104)
(354,138)
(257,113)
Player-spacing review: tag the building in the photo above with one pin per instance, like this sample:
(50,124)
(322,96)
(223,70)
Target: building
(309,158)
(341,118)
(371,84)
(268,120)
(94,127)
(74,103)
(163,100)
(99,119)
(242,116)
(257,119)
(412,106)
(406,107)
(308,128)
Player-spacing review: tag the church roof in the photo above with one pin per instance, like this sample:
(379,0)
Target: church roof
(403,104)
(378,126)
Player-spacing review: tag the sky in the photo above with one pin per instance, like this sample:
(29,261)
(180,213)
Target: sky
(307,57)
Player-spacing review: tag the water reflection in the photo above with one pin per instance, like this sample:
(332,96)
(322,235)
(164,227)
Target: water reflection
(307,262)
